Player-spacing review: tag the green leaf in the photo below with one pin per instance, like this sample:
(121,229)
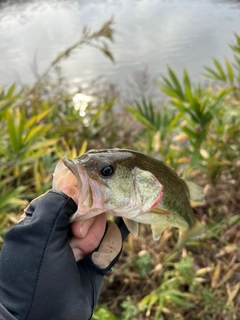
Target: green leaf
(220,70)
(176,299)
(12,130)
(167,87)
(34,156)
(219,99)
(140,118)
(182,106)
(5,151)
(174,120)
(10,91)
(102,312)
(6,104)
(211,74)
(190,133)
(152,113)
(37,118)
(10,197)
(207,117)
(229,71)
(168,92)
(167,83)
(186,79)
(21,124)
(8,100)
(195,159)
(35,133)
(176,83)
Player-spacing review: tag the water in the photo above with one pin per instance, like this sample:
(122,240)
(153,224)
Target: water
(150,34)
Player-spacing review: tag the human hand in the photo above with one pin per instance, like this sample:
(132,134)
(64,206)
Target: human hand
(39,276)
(87,234)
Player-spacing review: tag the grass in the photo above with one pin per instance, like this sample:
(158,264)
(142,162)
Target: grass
(196,131)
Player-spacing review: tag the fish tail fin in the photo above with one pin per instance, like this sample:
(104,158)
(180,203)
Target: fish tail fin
(196,193)
(196,231)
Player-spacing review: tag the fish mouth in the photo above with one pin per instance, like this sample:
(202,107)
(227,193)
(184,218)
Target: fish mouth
(90,194)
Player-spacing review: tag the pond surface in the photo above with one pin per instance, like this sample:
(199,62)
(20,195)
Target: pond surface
(150,34)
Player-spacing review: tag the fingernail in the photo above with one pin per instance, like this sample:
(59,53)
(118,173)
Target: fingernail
(78,254)
(84,229)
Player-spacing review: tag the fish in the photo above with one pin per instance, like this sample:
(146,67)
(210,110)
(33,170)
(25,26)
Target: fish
(137,187)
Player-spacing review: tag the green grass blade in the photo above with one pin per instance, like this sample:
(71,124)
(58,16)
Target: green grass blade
(37,118)
(9,197)
(190,133)
(141,118)
(220,70)
(230,72)
(211,74)
(12,130)
(10,92)
(176,83)
(35,133)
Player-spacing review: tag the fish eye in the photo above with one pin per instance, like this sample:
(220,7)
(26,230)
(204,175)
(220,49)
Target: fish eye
(107,171)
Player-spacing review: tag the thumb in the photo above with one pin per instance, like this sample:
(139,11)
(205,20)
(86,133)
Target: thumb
(50,211)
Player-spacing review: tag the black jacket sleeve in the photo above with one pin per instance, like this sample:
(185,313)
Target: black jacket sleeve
(5,315)
(39,277)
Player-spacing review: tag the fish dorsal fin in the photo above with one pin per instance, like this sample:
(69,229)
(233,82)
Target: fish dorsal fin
(159,210)
(196,193)
(132,226)
(157,232)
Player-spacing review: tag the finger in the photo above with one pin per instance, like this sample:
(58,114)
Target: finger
(81,228)
(83,246)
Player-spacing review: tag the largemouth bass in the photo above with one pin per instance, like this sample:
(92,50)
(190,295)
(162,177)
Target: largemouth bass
(134,186)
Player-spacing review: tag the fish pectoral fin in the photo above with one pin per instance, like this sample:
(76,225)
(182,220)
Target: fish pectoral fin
(132,226)
(159,210)
(196,193)
(196,231)
(157,232)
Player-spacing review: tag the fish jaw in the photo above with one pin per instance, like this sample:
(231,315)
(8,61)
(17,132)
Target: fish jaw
(90,199)
(65,180)
(87,194)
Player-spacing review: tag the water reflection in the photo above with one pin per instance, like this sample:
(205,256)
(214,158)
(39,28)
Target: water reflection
(87,105)
(150,34)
